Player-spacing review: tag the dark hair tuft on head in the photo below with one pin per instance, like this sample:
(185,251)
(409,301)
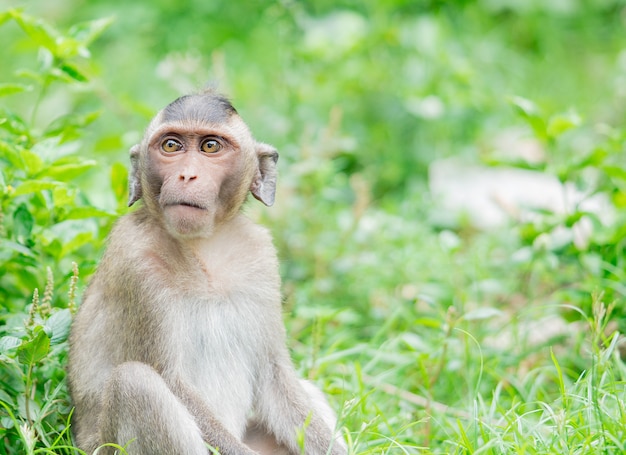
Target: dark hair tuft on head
(206,106)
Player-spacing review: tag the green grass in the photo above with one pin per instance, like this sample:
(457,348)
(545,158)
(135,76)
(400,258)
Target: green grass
(481,402)
(427,334)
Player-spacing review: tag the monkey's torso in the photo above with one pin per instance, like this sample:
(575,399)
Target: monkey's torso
(127,318)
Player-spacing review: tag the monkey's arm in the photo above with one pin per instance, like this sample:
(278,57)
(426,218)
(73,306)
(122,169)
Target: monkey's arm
(213,432)
(287,403)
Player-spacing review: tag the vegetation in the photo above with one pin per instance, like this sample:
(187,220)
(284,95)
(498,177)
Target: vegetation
(430,334)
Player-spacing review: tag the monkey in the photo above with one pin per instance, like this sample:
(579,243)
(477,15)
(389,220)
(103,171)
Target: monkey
(179,346)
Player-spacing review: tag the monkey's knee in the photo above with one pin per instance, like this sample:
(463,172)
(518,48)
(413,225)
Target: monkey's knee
(131,384)
(133,378)
(138,406)
(134,369)
(127,392)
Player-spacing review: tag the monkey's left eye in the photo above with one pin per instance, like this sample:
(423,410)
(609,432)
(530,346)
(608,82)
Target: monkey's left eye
(211,146)
(171,146)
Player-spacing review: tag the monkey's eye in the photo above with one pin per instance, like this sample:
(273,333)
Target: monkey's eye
(211,146)
(171,145)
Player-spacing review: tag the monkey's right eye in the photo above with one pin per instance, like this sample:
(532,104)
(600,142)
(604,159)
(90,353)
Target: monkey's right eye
(171,146)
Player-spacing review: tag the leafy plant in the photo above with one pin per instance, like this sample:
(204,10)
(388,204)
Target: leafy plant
(580,249)
(47,229)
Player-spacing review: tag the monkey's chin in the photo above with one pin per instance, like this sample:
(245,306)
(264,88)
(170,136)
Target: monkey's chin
(186,221)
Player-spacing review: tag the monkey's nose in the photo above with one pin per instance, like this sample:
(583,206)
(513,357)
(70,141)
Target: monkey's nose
(188,176)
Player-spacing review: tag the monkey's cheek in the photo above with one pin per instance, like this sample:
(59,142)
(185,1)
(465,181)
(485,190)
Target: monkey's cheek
(187,221)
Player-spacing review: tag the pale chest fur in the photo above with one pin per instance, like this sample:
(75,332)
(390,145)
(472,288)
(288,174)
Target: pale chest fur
(221,351)
(220,357)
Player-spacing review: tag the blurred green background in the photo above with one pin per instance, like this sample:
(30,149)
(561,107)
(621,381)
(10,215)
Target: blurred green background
(404,82)
(386,277)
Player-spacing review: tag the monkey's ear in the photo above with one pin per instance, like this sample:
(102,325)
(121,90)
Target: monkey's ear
(263,186)
(134,180)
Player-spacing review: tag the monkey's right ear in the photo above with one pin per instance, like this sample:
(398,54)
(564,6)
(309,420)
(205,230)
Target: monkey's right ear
(264,184)
(134,179)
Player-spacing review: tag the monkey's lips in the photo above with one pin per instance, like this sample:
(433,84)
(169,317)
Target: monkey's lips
(185,204)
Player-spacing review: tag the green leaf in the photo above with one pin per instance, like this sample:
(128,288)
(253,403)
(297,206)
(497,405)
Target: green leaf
(80,213)
(54,248)
(34,350)
(53,149)
(11,89)
(524,106)
(428,322)
(59,326)
(87,32)
(17,248)
(23,223)
(40,31)
(33,75)
(119,182)
(13,123)
(559,124)
(531,113)
(63,197)
(619,199)
(73,72)
(71,122)
(9,343)
(68,48)
(5,16)
(595,158)
(34,186)
(573,218)
(11,154)
(615,172)
(559,374)
(33,164)
(67,172)
(74,244)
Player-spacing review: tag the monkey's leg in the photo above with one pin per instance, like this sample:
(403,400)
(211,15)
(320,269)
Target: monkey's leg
(140,410)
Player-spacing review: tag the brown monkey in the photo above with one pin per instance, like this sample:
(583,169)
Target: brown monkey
(179,341)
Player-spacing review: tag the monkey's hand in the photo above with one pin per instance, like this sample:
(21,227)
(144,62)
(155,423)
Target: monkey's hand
(213,432)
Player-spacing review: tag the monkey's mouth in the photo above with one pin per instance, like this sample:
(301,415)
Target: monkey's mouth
(192,205)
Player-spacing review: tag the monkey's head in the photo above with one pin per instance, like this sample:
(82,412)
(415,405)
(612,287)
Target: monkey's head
(196,164)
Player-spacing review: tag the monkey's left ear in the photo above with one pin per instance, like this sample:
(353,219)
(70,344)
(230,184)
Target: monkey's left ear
(263,186)
(134,181)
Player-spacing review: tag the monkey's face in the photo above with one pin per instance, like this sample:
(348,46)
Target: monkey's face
(197,176)
(197,163)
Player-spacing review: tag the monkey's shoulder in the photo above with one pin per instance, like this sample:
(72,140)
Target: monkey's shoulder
(135,245)
(130,228)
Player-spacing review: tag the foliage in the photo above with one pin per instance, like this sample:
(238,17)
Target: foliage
(49,229)
(429,337)
(585,241)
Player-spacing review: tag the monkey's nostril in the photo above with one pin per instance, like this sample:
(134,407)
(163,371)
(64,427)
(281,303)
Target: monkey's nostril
(187,177)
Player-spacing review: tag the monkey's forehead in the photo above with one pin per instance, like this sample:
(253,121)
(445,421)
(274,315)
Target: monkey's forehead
(235,126)
(206,107)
